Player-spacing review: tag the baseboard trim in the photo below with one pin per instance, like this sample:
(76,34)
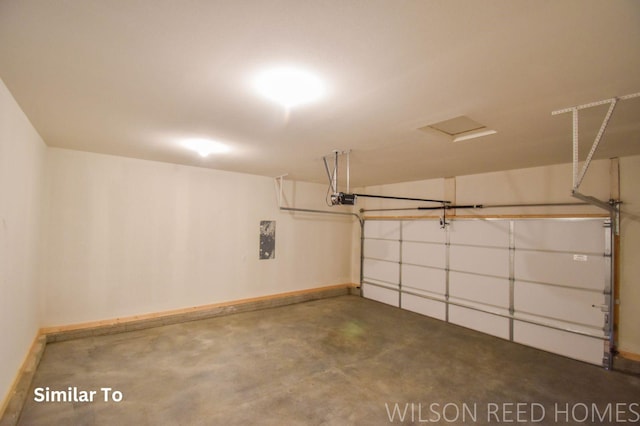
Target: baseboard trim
(629,355)
(158,319)
(627,362)
(14,401)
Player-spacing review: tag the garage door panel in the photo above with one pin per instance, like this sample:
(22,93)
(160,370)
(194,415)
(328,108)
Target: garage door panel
(567,269)
(572,345)
(381,294)
(388,272)
(561,303)
(424,306)
(580,236)
(424,254)
(480,260)
(480,232)
(480,321)
(560,324)
(426,279)
(427,231)
(382,249)
(489,290)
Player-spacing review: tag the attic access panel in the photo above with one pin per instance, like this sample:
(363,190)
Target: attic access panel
(456,126)
(459,128)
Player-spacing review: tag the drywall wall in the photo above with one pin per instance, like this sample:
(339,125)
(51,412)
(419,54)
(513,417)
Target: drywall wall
(22,163)
(547,184)
(629,332)
(430,188)
(128,236)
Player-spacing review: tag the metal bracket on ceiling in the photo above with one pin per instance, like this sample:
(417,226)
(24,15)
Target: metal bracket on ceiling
(279,185)
(579,174)
(336,197)
(278,180)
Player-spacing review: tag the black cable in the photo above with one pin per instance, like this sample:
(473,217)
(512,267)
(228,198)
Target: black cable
(403,198)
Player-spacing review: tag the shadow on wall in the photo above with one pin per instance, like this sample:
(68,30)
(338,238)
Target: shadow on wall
(629,215)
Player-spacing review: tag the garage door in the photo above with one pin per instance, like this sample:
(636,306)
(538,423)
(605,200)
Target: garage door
(545,283)
(381,261)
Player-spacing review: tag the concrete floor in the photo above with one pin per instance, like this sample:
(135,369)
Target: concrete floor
(337,361)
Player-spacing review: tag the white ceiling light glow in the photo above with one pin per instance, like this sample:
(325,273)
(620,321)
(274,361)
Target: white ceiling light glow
(289,86)
(205,147)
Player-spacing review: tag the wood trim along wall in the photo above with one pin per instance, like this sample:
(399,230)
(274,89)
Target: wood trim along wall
(14,400)
(629,355)
(156,319)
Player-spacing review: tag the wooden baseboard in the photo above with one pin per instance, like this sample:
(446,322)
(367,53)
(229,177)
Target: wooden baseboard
(16,396)
(156,319)
(629,355)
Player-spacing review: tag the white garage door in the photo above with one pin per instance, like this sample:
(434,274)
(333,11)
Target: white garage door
(545,283)
(381,262)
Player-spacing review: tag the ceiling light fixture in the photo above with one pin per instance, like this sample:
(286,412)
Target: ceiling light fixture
(289,86)
(205,147)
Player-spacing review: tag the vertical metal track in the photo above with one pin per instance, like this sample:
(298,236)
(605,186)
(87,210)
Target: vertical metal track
(512,255)
(447,267)
(362,222)
(348,172)
(615,278)
(575,147)
(609,296)
(335,172)
(400,266)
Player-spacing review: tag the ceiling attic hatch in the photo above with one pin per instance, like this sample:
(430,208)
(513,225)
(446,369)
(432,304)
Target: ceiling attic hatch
(460,128)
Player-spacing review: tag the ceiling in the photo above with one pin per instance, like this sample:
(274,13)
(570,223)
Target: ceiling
(134,77)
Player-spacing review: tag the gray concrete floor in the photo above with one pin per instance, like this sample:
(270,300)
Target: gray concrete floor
(337,361)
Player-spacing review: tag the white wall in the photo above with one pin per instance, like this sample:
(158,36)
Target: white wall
(22,162)
(547,184)
(431,188)
(629,331)
(128,236)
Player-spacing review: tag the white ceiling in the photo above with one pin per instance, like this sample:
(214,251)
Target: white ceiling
(133,77)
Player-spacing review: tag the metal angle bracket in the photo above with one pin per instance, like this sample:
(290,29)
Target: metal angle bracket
(333,175)
(596,202)
(578,175)
(336,197)
(279,184)
(614,222)
(278,181)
